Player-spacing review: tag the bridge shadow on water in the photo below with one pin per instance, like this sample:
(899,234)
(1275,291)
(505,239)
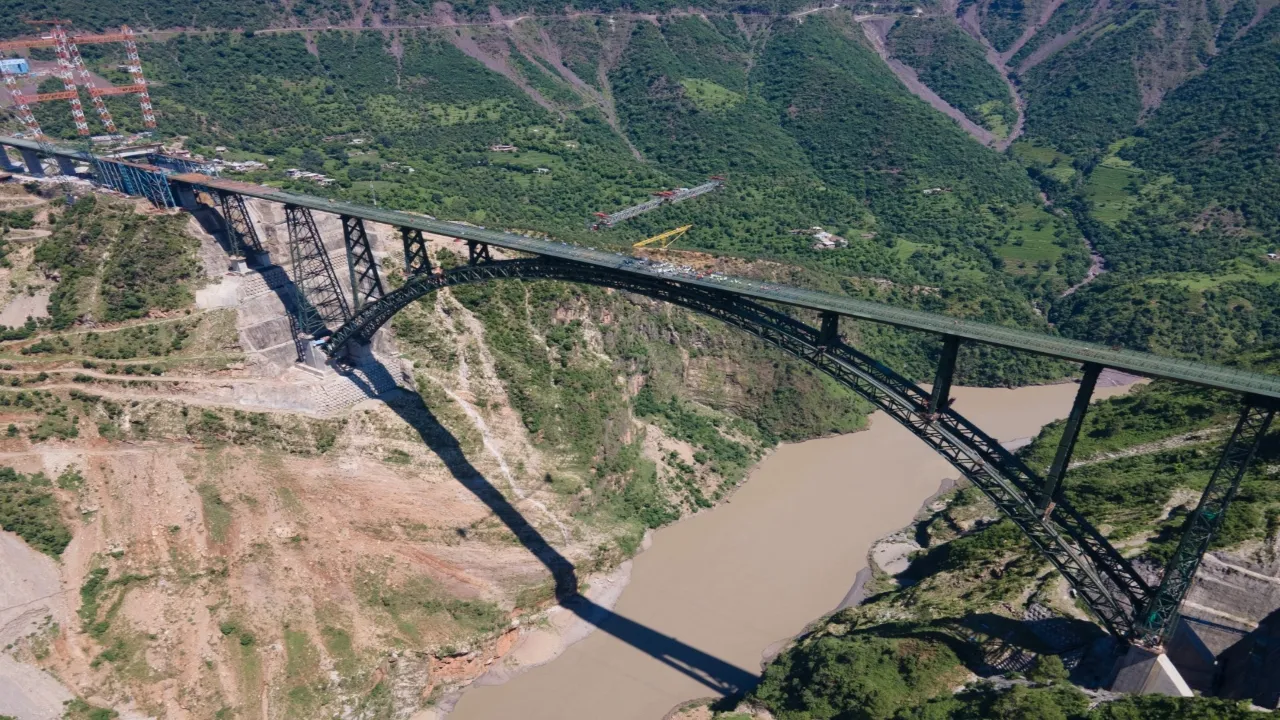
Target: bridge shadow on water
(720,676)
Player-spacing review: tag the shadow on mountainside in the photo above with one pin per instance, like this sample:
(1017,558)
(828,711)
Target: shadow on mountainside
(716,674)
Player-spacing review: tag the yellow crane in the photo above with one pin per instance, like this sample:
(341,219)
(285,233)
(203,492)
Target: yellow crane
(665,238)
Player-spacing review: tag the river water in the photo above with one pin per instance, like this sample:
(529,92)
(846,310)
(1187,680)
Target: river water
(739,579)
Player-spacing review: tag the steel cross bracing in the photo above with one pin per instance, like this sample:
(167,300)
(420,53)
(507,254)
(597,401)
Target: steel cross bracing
(1107,582)
(416,259)
(318,300)
(366,286)
(1159,616)
(241,234)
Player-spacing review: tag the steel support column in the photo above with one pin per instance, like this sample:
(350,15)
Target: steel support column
(318,300)
(1052,481)
(1158,619)
(829,334)
(940,397)
(478,252)
(365,283)
(154,186)
(241,234)
(416,259)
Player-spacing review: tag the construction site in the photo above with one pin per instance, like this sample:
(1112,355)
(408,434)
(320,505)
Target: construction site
(660,198)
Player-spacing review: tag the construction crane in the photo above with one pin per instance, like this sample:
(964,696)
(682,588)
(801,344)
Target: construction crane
(660,198)
(71,69)
(665,238)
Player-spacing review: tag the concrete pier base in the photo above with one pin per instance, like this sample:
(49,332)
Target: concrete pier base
(359,352)
(238,265)
(1143,672)
(314,357)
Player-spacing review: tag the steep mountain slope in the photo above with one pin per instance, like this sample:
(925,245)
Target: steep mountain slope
(1185,217)
(954,65)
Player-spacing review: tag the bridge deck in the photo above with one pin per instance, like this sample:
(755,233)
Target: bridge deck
(1130,361)
(1139,363)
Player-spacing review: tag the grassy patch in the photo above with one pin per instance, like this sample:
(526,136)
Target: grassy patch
(421,609)
(1033,244)
(304,691)
(709,96)
(1112,192)
(217,513)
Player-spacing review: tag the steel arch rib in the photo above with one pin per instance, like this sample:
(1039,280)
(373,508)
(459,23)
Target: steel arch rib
(1108,582)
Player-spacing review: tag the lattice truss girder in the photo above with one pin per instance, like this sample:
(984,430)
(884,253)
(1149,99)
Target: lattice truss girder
(20,105)
(366,285)
(242,236)
(416,258)
(319,301)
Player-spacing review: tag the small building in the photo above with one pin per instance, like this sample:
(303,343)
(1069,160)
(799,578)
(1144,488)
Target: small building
(503,148)
(15,66)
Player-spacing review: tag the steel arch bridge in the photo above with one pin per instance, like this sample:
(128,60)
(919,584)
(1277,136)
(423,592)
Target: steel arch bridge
(324,316)
(1108,582)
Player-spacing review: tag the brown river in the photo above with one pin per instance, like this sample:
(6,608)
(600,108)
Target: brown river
(738,580)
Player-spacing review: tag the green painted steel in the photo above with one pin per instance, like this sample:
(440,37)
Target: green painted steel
(1139,363)
(1127,360)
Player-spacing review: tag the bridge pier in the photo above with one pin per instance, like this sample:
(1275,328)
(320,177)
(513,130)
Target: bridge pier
(478,252)
(416,259)
(829,333)
(1158,618)
(7,163)
(1148,672)
(186,197)
(366,286)
(242,236)
(940,396)
(1052,481)
(32,160)
(318,302)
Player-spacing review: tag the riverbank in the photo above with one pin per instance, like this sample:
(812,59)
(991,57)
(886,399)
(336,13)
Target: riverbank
(735,581)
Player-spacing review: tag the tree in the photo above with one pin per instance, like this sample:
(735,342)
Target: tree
(1048,670)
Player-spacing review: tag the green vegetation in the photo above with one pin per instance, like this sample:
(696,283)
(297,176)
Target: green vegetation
(217,514)
(115,264)
(421,610)
(29,508)
(79,709)
(954,65)
(855,675)
(1068,14)
(1003,20)
(1086,96)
